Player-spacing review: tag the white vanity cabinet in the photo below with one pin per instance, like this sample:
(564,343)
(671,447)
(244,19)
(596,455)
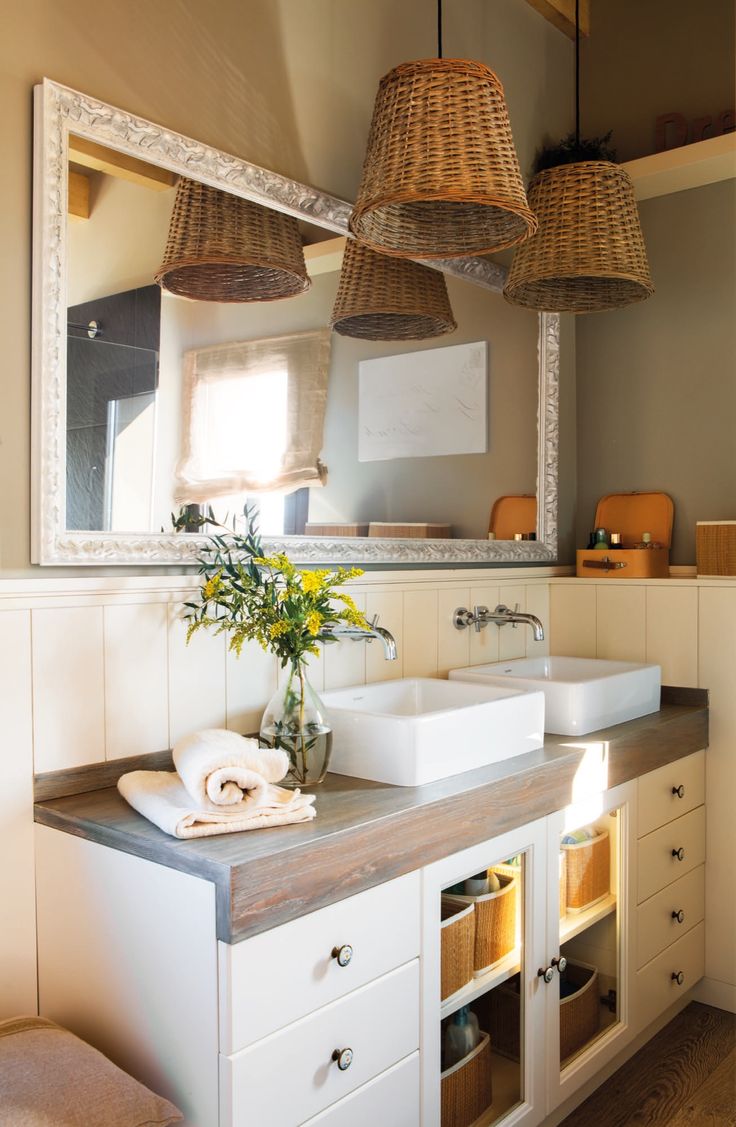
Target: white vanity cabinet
(527,1080)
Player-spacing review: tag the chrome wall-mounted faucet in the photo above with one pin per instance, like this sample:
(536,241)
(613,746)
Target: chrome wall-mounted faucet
(502,616)
(360,634)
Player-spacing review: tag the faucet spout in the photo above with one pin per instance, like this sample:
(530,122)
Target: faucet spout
(365,634)
(389,642)
(502,615)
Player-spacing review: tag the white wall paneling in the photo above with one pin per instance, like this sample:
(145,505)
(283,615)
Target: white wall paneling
(197,682)
(512,639)
(389,606)
(453,645)
(18,930)
(572,619)
(344,661)
(68,687)
(420,633)
(484,643)
(136,686)
(537,602)
(251,682)
(620,621)
(672,632)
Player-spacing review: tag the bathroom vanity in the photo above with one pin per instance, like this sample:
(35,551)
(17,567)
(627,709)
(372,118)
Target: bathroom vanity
(293,976)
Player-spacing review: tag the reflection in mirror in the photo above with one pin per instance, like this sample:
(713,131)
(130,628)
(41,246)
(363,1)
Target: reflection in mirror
(127,399)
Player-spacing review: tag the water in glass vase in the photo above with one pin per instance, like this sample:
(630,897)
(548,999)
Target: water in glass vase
(295,720)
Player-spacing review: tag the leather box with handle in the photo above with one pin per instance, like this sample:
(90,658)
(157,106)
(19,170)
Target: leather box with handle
(631,515)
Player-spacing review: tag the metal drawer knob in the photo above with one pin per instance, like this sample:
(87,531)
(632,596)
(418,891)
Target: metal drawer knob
(343,955)
(678,976)
(679,853)
(344,1058)
(547,973)
(560,963)
(679,915)
(679,792)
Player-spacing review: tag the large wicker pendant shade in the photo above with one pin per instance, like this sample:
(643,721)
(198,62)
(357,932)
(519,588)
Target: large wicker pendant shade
(588,253)
(224,248)
(441,177)
(381,298)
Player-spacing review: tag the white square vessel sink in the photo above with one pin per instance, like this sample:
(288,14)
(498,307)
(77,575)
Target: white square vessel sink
(581,694)
(416,730)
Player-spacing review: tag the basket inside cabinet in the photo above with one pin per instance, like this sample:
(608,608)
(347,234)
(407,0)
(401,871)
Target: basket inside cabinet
(587,871)
(466,1087)
(457,944)
(580,1009)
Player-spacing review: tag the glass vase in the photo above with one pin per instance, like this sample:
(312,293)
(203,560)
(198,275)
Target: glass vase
(295,720)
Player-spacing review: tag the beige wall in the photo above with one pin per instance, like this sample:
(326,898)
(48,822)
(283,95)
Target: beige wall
(650,57)
(288,85)
(657,381)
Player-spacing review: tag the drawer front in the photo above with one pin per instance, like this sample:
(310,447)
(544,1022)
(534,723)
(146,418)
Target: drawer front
(657,867)
(382,925)
(656,926)
(657,802)
(391,1100)
(655,988)
(291,1076)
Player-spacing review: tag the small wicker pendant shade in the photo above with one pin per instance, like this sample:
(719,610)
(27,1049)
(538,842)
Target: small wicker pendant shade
(441,178)
(588,254)
(380,298)
(224,248)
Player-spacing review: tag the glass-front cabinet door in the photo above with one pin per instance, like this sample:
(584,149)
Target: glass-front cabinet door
(484,924)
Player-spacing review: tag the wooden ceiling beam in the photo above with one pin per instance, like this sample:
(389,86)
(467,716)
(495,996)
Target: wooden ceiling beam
(561,13)
(78,195)
(101,159)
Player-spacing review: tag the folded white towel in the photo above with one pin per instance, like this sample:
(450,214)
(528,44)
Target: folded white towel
(225,767)
(161,797)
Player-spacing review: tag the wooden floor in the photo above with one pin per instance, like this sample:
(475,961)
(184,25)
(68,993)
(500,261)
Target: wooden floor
(683,1077)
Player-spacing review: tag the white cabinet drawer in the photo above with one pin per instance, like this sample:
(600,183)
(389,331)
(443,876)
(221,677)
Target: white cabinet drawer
(655,987)
(279,976)
(290,1076)
(660,790)
(658,865)
(656,919)
(391,1100)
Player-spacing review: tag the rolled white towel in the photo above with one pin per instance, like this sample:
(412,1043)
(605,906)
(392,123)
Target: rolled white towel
(161,797)
(226,768)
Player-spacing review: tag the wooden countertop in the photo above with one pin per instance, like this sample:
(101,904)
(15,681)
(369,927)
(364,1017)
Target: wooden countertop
(366,833)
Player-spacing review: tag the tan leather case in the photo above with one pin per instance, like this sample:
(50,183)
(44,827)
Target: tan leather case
(631,514)
(512,514)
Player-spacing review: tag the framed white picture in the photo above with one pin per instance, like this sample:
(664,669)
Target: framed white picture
(424,404)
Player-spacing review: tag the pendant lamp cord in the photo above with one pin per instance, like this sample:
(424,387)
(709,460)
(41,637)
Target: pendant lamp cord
(577,73)
(439,29)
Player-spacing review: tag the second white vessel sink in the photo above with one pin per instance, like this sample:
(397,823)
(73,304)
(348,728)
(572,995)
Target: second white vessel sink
(416,730)
(581,694)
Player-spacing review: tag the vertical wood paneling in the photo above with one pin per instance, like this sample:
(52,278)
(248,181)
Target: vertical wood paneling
(68,687)
(18,991)
(621,621)
(672,633)
(420,633)
(484,644)
(537,602)
(196,679)
(251,682)
(572,615)
(136,682)
(717,646)
(389,606)
(453,645)
(512,639)
(344,661)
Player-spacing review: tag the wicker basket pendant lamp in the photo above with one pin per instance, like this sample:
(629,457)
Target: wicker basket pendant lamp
(224,248)
(588,254)
(382,298)
(441,177)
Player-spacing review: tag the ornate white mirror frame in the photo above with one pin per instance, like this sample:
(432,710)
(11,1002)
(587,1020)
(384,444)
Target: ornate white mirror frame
(60,111)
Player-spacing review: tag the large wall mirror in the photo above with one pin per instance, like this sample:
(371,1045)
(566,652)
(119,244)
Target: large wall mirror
(130,426)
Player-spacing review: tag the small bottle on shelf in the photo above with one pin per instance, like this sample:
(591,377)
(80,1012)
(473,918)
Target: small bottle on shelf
(601,540)
(461,1036)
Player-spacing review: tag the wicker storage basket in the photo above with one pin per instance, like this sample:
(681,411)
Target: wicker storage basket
(588,871)
(457,943)
(381,298)
(441,177)
(580,1013)
(504,1018)
(495,924)
(589,252)
(466,1088)
(715,547)
(563,884)
(224,248)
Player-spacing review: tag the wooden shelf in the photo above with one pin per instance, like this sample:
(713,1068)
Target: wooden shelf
(504,970)
(574,923)
(690,166)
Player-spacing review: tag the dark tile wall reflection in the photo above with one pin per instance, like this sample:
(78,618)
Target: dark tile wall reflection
(122,361)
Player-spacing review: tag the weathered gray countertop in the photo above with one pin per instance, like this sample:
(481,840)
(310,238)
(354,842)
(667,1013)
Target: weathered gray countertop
(366,833)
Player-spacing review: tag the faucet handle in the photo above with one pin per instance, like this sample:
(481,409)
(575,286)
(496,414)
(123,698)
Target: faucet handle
(480,618)
(374,622)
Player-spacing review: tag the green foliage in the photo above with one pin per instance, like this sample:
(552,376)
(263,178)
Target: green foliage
(572,150)
(252,596)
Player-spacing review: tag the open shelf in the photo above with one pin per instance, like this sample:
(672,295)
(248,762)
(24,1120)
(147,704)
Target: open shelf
(575,922)
(689,166)
(505,969)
